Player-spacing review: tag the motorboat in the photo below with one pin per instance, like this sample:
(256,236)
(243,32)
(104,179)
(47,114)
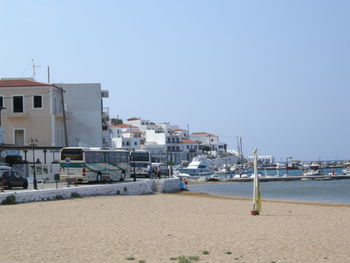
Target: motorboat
(240,176)
(198,167)
(313,170)
(346,171)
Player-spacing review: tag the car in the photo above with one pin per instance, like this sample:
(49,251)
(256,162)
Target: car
(9,179)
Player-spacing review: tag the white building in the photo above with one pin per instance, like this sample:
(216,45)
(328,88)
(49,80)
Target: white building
(130,140)
(210,140)
(266,159)
(117,130)
(87,124)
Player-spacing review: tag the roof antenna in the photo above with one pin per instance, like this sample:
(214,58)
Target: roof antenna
(48,74)
(34,66)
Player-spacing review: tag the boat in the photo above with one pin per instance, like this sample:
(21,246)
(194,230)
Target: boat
(346,171)
(313,170)
(213,178)
(198,167)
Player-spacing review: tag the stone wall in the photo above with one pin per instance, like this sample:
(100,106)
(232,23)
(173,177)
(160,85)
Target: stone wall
(130,188)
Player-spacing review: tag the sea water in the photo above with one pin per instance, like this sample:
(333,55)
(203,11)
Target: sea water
(328,191)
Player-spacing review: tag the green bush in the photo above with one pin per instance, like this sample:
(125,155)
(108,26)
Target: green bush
(205,252)
(9,200)
(59,197)
(75,195)
(130,258)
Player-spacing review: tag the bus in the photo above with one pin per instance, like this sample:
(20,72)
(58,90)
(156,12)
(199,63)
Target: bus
(139,160)
(83,165)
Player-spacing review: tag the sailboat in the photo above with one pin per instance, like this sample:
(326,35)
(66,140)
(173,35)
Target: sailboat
(256,190)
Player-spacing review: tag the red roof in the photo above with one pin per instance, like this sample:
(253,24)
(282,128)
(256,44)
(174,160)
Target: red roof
(204,133)
(189,142)
(133,119)
(180,130)
(132,131)
(124,126)
(21,83)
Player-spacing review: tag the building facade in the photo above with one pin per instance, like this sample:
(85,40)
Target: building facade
(87,119)
(31,109)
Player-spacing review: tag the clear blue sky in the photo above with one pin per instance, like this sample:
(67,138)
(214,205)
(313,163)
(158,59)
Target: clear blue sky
(276,73)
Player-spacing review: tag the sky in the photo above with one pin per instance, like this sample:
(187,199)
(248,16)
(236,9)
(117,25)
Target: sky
(275,73)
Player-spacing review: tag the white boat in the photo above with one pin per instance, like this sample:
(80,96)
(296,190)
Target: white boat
(241,176)
(346,171)
(198,167)
(313,170)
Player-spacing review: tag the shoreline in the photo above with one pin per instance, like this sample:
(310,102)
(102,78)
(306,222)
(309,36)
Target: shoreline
(241,198)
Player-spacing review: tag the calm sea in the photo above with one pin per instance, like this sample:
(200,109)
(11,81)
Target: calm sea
(329,191)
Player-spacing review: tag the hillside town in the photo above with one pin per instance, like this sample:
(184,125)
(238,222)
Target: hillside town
(38,119)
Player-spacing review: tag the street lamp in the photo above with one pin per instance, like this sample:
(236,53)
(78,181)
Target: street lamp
(33,143)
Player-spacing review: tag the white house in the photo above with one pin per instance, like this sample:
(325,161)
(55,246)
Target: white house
(130,140)
(87,124)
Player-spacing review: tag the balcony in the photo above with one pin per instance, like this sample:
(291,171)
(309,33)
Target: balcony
(104,93)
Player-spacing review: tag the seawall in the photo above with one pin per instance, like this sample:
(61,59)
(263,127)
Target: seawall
(169,185)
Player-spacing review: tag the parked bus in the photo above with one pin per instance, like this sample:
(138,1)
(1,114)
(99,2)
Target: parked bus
(139,160)
(80,164)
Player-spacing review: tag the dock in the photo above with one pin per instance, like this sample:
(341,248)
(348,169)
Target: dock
(289,178)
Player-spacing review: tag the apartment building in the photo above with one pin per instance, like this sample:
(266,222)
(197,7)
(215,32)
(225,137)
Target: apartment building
(31,109)
(88,119)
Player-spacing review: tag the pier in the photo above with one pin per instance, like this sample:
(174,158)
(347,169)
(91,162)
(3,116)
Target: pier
(288,178)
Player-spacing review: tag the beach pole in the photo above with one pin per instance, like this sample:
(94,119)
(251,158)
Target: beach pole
(256,190)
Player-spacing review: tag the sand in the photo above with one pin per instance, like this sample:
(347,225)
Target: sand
(155,228)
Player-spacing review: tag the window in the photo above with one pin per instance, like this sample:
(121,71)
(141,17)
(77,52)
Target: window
(1,102)
(17,103)
(127,143)
(135,143)
(89,157)
(72,154)
(99,157)
(37,101)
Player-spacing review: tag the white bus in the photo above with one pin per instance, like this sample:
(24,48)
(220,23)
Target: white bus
(80,164)
(139,160)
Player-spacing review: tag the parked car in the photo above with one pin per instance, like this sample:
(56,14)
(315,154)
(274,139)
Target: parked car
(9,179)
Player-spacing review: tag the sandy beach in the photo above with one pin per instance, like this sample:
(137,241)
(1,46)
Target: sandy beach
(156,228)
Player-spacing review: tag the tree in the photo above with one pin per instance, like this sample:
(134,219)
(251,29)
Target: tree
(115,121)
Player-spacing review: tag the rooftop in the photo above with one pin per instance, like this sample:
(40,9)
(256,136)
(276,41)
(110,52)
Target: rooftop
(133,131)
(124,126)
(204,133)
(22,83)
(180,130)
(188,141)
